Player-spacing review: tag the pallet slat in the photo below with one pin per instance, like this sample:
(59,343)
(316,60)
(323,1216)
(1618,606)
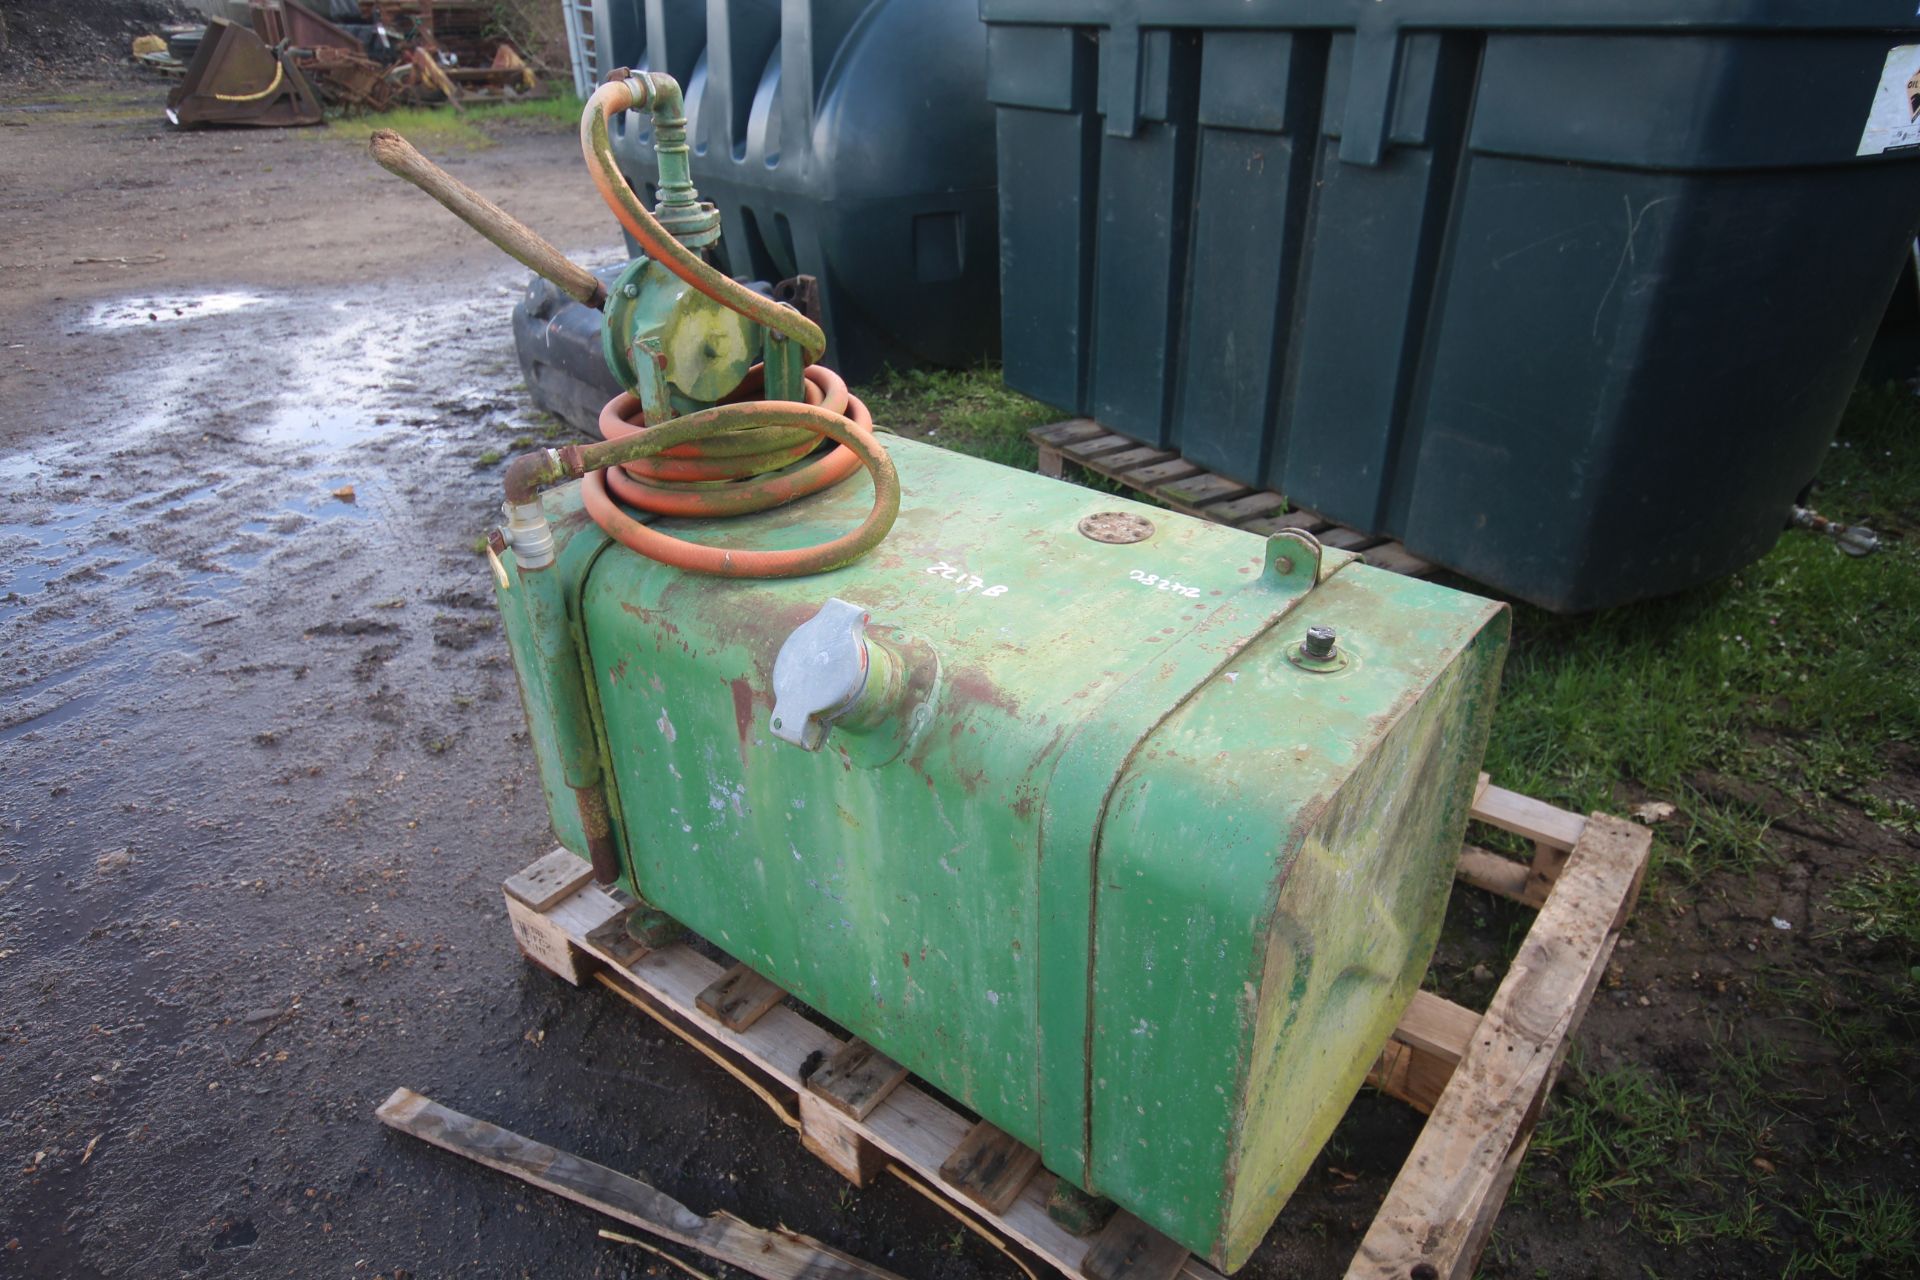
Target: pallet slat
(1525,816)
(552,878)
(1436,1203)
(775,1255)
(1129,1249)
(1193,490)
(738,998)
(1429,1040)
(1234,510)
(1144,456)
(1159,473)
(1267,526)
(1069,431)
(1347,539)
(1099,445)
(1395,558)
(856,1079)
(1494,872)
(1201,490)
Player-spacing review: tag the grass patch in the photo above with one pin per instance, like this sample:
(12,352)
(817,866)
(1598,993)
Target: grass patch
(1697,1164)
(1858,1231)
(1871,1019)
(1688,1163)
(1711,837)
(969,411)
(1882,903)
(972,411)
(446,129)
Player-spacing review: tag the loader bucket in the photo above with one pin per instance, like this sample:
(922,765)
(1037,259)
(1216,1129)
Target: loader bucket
(235,79)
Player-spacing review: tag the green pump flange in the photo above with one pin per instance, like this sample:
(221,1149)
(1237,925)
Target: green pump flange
(673,346)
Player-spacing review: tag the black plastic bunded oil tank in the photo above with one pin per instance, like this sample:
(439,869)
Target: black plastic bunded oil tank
(848,140)
(1568,297)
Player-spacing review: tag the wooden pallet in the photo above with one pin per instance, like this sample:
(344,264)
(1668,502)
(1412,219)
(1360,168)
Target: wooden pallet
(1168,478)
(1481,1078)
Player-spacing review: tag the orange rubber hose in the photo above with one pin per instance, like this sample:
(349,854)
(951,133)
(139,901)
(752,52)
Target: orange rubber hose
(657,484)
(853,430)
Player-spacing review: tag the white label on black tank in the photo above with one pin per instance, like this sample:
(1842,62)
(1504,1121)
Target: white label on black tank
(1893,121)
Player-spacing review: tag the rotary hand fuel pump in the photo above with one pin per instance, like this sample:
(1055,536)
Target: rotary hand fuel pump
(1130,832)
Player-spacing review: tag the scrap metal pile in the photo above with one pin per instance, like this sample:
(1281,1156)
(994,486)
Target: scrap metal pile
(291,61)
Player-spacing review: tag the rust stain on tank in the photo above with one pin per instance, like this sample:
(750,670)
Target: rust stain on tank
(971,684)
(742,708)
(655,618)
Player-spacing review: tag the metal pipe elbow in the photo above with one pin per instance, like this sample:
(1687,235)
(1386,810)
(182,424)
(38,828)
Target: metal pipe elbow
(528,473)
(654,92)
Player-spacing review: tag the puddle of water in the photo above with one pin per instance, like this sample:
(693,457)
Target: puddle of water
(347,378)
(342,397)
(131,312)
(55,545)
(52,553)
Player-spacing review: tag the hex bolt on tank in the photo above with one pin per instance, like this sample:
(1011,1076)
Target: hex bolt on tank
(1319,651)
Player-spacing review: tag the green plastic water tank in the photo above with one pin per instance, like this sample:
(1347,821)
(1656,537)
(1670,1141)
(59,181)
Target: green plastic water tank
(1566,297)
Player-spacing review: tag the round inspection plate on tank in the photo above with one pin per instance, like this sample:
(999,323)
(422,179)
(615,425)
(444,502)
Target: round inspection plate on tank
(1116,527)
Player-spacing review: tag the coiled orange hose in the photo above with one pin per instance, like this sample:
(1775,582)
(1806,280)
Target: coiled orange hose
(600,461)
(669,483)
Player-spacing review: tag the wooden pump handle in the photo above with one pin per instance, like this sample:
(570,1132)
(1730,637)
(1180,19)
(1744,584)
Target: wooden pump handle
(396,155)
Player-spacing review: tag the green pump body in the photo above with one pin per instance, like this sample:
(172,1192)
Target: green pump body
(1085,839)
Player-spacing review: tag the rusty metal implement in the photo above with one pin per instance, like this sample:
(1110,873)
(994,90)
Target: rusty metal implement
(234,78)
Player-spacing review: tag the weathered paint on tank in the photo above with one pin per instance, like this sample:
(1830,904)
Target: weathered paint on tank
(1116,874)
(1273,870)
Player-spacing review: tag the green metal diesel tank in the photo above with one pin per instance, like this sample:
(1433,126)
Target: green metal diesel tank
(1129,832)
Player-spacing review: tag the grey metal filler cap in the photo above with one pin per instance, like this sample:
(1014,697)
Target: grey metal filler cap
(820,672)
